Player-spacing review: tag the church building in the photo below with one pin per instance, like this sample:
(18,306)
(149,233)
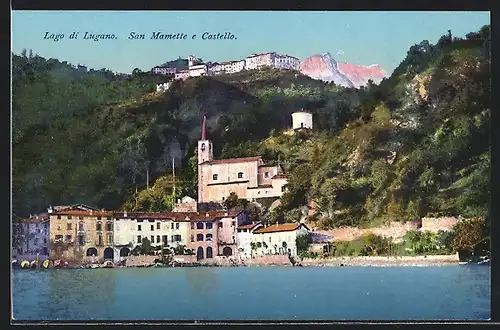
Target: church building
(248,177)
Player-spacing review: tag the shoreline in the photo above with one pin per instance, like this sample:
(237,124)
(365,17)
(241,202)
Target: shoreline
(354,261)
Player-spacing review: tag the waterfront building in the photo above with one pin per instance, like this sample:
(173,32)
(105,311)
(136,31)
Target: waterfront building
(248,177)
(80,234)
(160,228)
(213,233)
(30,237)
(244,239)
(278,238)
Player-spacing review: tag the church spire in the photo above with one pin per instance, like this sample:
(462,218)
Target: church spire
(203,128)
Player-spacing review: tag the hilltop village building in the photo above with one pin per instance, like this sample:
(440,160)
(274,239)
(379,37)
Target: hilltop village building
(252,62)
(248,177)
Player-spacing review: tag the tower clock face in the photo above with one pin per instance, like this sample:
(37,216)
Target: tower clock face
(203,147)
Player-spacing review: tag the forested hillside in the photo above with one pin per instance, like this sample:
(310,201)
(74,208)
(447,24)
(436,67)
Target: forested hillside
(416,144)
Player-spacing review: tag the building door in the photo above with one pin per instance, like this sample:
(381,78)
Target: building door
(199,253)
(209,252)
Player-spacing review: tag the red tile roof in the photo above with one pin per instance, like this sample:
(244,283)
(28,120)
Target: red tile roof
(84,213)
(279,176)
(249,226)
(232,160)
(280,228)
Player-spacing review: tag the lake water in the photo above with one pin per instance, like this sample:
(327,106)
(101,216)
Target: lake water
(248,293)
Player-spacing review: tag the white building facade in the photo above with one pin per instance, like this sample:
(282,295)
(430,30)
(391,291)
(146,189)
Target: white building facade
(278,239)
(198,70)
(163,87)
(244,239)
(182,74)
(286,62)
(302,119)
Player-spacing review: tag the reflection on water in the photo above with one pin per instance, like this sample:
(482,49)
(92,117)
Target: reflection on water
(264,293)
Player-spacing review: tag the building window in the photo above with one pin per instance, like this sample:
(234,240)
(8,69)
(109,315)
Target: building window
(192,225)
(99,240)
(81,240)
(139,228)
(152,239)
(45,226)
(99,218)
(177,238)
(220,225)
(199,237)
(177,225)
(199,225)
(158,239)
(68,239)
(192,238)
(203,147)
(208,238)
(214,177)
(139,239)
(59,238)
(69,225)
(157,225)
(45,241)
(240,175)
(110,239)
(269,239)
(80,218)
(152,227)
(283,189)
(70,217)
(266,174)
(80,226)
(58,227)
(165,239)
(109,226)
(208,225)
(58,217)
(172,225)
(108,218)
(99,226)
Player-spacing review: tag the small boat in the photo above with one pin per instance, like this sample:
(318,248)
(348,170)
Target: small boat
(25,264)
(108,264)
(46,264)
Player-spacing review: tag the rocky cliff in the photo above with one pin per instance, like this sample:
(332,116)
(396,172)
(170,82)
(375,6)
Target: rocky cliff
(325,67)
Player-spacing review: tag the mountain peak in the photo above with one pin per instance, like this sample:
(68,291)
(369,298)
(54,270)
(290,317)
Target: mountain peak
(325,67)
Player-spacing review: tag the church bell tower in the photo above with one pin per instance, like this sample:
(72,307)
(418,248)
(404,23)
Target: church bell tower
(205,153)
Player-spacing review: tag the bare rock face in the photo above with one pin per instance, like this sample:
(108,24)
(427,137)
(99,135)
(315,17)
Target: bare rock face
(324,67)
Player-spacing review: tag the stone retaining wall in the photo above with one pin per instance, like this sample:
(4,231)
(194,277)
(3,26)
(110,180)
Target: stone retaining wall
(381,261)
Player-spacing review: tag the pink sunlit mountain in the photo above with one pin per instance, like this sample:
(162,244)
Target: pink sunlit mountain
(325,67)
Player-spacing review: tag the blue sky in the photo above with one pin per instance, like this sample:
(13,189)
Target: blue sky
(363,38)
